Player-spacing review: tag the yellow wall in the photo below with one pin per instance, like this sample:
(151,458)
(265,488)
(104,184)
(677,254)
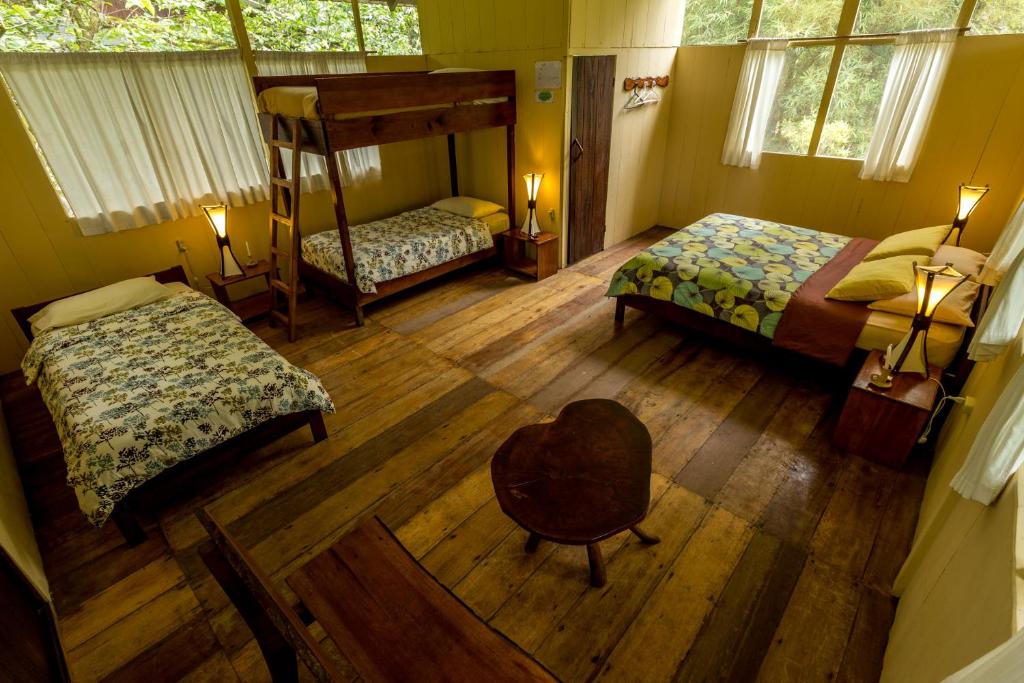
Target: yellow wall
(976,135)
(43,255)
(643,35)
(495,34)
(959,589)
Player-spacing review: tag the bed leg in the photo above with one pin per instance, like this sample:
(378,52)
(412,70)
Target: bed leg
(360,320)
(128,524)
(317,426)
(620,311)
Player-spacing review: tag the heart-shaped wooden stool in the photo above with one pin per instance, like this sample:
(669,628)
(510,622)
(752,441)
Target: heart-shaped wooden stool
(578,480)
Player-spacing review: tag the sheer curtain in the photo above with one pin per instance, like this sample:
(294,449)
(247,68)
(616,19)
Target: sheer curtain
(755,94)
(354,165)
(918,67)
(1008,246)
(998,450)
(136,139)
(1002,320)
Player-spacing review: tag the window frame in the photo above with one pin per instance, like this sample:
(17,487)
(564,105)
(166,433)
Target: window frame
(844,36)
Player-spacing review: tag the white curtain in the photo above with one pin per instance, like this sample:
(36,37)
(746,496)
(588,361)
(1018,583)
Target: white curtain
(136,139)
(1008,246)
(918,67)
(354,165)
(1002,320)
(998,450)
(755,94)
(1004,663)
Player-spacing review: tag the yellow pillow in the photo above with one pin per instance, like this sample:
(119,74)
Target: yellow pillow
(467,206)
(954,309)
(873,280)
(922,242)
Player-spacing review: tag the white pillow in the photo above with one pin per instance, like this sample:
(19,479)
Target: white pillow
(468,207)
(98,303)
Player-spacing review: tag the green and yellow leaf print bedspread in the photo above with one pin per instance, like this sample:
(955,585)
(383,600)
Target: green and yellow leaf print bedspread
(737,269)
(134,393)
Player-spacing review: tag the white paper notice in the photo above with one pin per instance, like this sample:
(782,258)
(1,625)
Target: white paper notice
(547,75)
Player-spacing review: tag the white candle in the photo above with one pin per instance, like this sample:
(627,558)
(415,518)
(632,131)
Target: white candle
(248,252)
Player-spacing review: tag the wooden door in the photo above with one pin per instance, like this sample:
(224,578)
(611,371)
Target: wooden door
(29,649)
(593,87)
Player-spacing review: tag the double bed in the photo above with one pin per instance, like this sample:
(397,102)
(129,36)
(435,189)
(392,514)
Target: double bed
(738,277)
(136,392)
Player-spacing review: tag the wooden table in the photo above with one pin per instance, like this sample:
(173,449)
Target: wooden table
(514,253)
(251,306)
(884,424)
(578,480)
(395,622)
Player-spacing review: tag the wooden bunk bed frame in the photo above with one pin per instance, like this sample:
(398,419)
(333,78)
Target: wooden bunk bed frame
(151,494)
(458,109)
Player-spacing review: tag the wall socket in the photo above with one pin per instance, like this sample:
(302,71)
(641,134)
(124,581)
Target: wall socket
(181,246)
(551,215)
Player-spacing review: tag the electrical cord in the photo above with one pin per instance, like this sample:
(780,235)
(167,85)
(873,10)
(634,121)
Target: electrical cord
(931,420)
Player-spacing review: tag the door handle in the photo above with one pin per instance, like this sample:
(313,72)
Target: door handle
(578,147)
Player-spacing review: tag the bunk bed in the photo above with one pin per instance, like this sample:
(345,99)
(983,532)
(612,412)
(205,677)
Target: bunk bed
(327,114)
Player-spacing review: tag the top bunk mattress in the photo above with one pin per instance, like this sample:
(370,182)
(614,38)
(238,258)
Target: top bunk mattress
(302,101)
(402,245)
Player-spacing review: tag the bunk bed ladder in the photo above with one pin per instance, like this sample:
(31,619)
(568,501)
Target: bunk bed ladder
(284,194)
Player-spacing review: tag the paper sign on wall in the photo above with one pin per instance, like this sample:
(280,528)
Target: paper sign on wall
(547,75)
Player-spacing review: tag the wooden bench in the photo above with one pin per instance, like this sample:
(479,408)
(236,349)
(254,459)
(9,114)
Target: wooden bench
(390,618)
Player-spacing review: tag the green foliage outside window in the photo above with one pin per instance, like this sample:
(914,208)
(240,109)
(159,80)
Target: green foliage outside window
(998,16)
(883,16)
(855,101)
(186,25)
(710,22)
(798,99)
(799,18)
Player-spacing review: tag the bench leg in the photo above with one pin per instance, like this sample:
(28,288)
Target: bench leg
(128,523)
(597,573)
(644,537)
(532,543)
(279,656)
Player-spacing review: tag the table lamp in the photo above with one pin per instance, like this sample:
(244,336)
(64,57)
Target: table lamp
(530,226)
(933,285)
(217,215)
(970,196)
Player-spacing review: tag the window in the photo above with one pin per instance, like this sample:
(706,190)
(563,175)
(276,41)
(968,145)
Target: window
(799,18)
(998,16)
(881,16)
(128,26)
(709,22)
(855,101)
(796,105)
(389,31)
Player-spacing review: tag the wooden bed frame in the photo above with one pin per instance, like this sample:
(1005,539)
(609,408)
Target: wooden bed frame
(452,99)
(956,373)
(125,511)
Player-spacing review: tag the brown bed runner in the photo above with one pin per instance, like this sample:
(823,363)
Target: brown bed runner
(822,328)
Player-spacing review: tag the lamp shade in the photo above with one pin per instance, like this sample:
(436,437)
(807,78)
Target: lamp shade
(933,284)
(533,181)
(970,195)
(218,217)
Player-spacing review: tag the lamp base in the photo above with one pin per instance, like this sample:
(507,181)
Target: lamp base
(882,380)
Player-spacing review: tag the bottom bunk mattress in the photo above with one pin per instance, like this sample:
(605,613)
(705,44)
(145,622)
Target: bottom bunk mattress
(401,245)
(134,393)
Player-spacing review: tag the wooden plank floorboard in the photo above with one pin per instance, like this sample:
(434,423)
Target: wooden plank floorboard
(777,551)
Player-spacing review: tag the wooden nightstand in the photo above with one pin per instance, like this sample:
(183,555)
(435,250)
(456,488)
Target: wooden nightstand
(514,250)
(251,306)
(883,425)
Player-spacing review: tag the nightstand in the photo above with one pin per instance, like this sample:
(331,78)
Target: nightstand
(251,306)
(514,250)
(884,424)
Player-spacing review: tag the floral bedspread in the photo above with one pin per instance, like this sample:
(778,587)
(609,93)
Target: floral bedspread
(740,270)
(397,246)
(134,393)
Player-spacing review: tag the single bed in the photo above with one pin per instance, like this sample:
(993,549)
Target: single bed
(402,245)
(735,276)
(137,392)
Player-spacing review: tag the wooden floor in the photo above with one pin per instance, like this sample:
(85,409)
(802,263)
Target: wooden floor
(777,552)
